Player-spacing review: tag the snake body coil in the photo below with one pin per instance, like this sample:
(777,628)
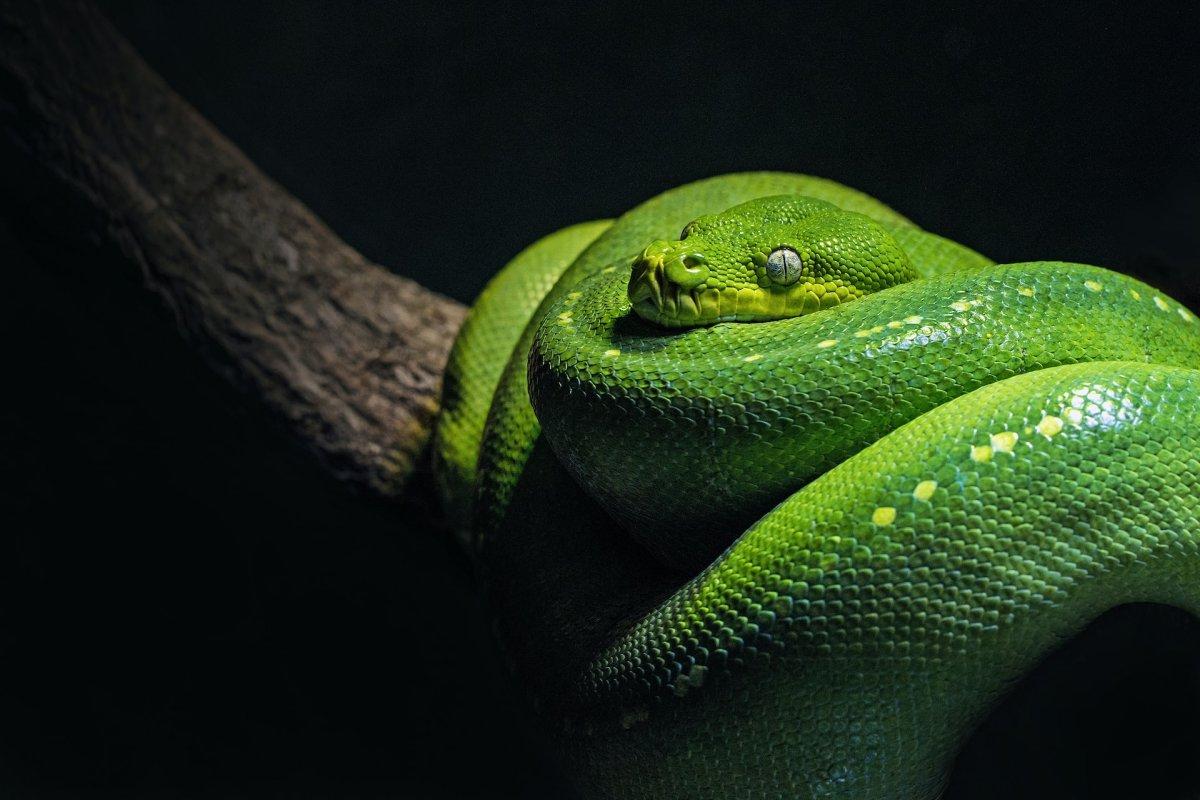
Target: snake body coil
(803,557)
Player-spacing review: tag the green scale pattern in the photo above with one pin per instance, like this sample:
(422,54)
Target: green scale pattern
(841,654)
(938,483)
(511,427)
(484,344)
(782,402)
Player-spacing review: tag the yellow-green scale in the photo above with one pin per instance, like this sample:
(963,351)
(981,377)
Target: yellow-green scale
(968,468)
(835,651)
(687,438)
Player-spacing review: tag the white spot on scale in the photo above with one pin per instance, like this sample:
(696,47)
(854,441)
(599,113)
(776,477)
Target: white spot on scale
(925,490)
(1004,442)
(1050,426)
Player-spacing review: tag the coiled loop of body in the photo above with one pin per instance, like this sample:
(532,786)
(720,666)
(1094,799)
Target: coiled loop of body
(882,513)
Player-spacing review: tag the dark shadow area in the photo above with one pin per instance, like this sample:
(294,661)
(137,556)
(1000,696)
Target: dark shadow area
(195,611)
(563,579)
(423,128)
(1113,714)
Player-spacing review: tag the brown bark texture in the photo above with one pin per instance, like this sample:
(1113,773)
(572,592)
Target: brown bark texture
(99,154)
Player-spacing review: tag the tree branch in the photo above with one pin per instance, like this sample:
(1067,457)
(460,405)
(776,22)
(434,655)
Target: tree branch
(100,155)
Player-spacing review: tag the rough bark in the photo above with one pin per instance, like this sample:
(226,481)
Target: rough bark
(98,153)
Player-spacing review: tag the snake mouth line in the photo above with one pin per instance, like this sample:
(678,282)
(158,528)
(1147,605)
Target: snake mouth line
(673,306)
(666,303)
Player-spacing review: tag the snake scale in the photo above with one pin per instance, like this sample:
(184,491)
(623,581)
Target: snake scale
(775,493)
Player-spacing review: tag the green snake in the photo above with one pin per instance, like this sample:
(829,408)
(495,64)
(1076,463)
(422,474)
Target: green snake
(775,493)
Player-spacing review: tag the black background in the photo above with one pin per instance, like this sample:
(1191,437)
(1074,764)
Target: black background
(198,612)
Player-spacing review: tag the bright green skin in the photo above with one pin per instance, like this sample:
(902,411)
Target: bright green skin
(718,270)
(957,494)
(484,344)
(513,428)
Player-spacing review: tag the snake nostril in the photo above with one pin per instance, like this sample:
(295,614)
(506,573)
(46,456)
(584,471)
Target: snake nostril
(687,271)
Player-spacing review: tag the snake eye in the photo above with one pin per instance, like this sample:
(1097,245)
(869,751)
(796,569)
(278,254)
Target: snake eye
(686,230)
(783,266)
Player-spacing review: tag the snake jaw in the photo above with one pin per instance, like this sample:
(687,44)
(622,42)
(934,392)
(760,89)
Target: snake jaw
(647,283)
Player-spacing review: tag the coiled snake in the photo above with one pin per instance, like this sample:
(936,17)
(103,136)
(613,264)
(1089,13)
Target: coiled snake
(777,504)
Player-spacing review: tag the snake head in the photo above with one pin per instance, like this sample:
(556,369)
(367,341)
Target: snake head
(770,258)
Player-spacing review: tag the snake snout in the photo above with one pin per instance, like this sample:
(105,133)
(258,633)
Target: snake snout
(648,279)
(666,276)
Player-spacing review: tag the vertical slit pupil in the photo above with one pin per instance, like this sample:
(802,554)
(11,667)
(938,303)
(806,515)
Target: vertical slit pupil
(783,266)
